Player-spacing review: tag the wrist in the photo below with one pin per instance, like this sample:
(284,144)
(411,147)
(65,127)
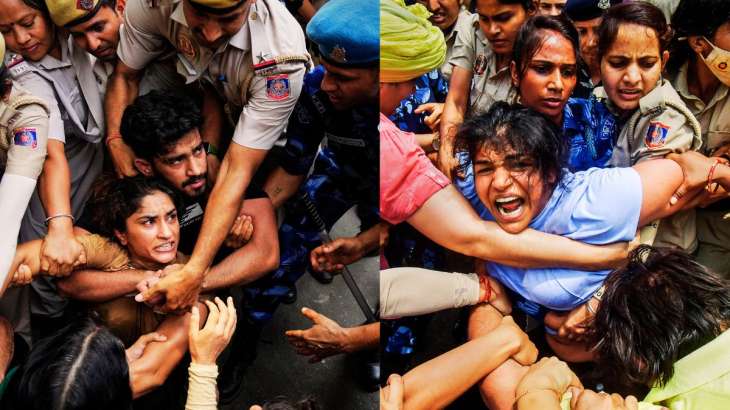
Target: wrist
(537,395)
(60,224)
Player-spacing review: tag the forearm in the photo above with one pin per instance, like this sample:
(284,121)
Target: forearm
(55,189)
(362,337)
(457,370)
(402,291)
(160,358)
(454,107)
(202,387)
(100,286)
(280,186)
(242,267)
(122,89)
(224,202)
(370,239)
(212,113)
(425,141)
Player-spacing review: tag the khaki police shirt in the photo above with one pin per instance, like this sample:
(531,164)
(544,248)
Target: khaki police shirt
(653,131)
(23,134)
(264,97)
(463,23)
(471,51)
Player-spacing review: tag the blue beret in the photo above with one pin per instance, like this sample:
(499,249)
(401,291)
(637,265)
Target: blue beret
(347,32)
(582,10)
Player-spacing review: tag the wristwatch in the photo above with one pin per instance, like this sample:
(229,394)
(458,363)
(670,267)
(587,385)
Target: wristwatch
(210,149)
(436,141)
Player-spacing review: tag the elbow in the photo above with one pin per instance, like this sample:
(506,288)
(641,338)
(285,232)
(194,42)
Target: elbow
(272,258)
(66,289)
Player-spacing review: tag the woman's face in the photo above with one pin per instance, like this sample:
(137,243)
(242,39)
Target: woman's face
(25,30)
(153,231)
(500,23)
(632,65)
(550,76)
(510,187)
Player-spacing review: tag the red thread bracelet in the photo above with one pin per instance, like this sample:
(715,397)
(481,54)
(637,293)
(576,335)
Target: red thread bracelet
(112,138)
(710,176)
(488,288)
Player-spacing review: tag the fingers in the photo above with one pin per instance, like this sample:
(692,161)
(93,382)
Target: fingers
(232,319)
(428,107)
(317,259)
(247,229)
(678,194)
(213,315)
(311,315)
(152,337)
(194,327)
(155,291)
(222,316)
(395,382)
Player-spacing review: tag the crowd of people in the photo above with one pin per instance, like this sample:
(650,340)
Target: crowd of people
(168,168)
(571,158)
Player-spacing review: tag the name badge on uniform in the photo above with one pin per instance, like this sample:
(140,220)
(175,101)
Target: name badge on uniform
(25,137)
(277,87)
(85,5)
(17,65)
(656,136)
(185,46)
(480,65)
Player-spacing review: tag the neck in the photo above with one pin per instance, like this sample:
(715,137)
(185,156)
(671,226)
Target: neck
(700,80)
(502,61)
(55,52)
(146,265)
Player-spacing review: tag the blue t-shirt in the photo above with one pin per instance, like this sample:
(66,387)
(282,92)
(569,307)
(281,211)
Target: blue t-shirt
(597,206)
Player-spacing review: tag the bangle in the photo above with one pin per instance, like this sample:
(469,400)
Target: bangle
(590,308)
(50,218)
(599,293)
(710,176)
(487,288)
(112,138)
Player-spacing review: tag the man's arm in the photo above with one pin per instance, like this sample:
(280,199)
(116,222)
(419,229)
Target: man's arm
(454,110)
(122,89)
(100,286)
(212,128)
(281,185)
(259,256)
(461,230)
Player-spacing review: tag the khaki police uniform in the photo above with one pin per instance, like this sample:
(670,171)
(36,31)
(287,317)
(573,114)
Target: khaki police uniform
(258,72)
(69,87)
(662,124)
(471,51)
(23,140)
(463,23)
(159,75)
(713,232)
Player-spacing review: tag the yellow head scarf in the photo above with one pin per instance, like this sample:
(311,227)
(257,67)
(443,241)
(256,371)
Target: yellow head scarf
(2,51)
(409,44)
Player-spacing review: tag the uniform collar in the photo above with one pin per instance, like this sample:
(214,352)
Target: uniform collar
(49,62)
(700,367)
(656,98)
(463,14)
(696,104)
(178,14)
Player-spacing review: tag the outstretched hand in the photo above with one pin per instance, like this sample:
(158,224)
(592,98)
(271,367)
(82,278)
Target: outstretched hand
(325,338)
(334,256)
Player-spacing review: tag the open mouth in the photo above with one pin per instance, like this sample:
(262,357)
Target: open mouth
(630,94)
(552,102)
(510,206)
(165,247)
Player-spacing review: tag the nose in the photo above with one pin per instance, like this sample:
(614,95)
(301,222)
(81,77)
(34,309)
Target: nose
(196,166)
(433,5)
(502,179)
(165,231)
(21,36)
(211,32)
(632,75)
(92,42)
(493,29)
(328,84)
(556,81)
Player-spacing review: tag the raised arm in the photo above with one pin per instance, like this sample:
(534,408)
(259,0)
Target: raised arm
(452,117)
(461,230)
(122,89)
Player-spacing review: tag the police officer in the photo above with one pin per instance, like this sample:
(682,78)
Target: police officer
(51,68)
(252,56)
(339,101)
(94,26)
(699,68)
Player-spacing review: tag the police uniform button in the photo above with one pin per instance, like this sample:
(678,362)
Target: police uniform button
(254,15)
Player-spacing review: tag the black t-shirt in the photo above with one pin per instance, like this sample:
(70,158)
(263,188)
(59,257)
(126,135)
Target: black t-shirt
(192,220)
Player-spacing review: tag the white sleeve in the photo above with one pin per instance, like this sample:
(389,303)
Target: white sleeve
(202,387)
(417,291)
(15,193)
